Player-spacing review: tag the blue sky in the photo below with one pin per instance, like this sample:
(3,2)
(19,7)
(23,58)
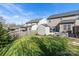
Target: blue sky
(20,13)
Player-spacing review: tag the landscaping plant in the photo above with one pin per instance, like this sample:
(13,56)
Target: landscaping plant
(38,46)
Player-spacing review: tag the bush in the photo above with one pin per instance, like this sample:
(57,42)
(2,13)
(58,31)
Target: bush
(5,38)
(52,46)
(38,46)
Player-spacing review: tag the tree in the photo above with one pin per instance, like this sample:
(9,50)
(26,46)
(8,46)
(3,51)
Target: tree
(5,37)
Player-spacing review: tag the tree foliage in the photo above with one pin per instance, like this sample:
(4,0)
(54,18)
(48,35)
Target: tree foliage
(5,37)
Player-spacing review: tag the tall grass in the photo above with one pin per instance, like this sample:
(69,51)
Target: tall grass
(38,46)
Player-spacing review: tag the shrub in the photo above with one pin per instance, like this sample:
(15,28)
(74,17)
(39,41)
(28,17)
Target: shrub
(38,46)
(52,46)
(5,38)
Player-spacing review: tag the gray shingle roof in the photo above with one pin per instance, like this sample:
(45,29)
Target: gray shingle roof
(34,21)
(70,13)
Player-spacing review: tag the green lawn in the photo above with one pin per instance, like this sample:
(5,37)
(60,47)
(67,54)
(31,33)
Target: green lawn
(33,45)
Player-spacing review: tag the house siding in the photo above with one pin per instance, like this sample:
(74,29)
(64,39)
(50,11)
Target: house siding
(64,30)
(54,22)
(70,17)
(43,30)
(77,22)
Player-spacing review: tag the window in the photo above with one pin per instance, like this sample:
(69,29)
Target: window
(67,26)
(53,29)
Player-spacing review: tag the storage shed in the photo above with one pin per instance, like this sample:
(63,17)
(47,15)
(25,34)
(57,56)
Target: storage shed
(43,29)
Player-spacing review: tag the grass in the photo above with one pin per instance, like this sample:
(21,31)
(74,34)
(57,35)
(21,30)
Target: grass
(33,45)
(74,48)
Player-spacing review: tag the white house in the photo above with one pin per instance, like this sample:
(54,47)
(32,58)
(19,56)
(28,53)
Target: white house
(34,27)
(43,29)
(38,26)
(43,21)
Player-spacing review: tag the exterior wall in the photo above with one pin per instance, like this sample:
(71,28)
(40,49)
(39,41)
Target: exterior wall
(70,17)
(42,30)
(47,30)
(77,23)
(34,23)
(28,30)
(43,21)
(31,27)
(54,22)
(34,27)
(62,28)
(29,24)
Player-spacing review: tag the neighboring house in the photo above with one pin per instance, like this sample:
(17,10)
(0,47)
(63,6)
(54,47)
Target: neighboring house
(35,26)
(53,23)
(43,21)
(17,31)
(64,22)
(32,25)
(11,27)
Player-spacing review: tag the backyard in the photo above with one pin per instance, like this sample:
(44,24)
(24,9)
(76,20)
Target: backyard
(34,45)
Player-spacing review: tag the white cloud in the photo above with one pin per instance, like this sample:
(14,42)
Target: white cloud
(15,19)
(16,14)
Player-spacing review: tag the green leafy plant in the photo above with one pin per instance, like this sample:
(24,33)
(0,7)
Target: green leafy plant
(5,37)
(38,46)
